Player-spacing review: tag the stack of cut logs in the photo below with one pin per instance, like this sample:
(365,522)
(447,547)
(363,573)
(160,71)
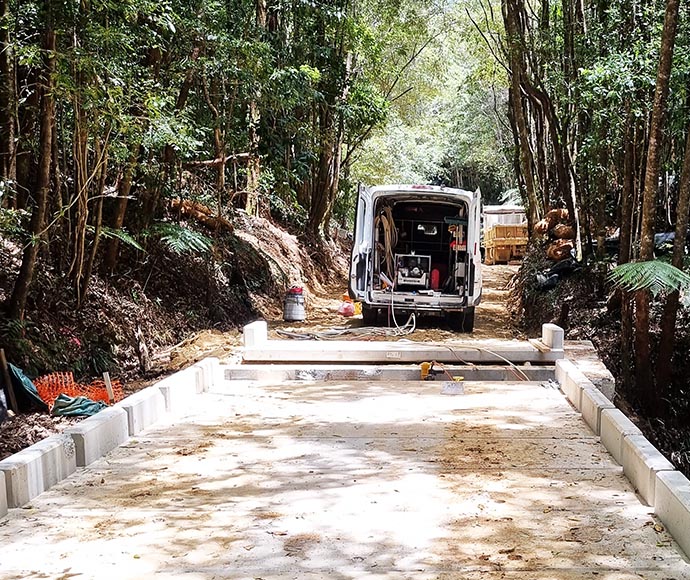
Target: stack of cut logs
(556,226)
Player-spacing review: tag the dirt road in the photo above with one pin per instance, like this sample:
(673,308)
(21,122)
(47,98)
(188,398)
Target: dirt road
(350,480)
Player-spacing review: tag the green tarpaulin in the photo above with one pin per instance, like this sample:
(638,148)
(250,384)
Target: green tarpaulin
(25,391)
(76,406)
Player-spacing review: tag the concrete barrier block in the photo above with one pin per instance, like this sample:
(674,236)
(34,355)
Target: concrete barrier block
(143,408)
(672,505)
(641,462)
(37,468)
(99,434)
(3,496)
(592,403)
(180,388)
(552,336)
(255,333)
(615,426)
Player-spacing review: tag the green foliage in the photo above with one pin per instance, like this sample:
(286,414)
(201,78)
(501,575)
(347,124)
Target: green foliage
(179,239)
(655,276)
(123,235)
(12,223)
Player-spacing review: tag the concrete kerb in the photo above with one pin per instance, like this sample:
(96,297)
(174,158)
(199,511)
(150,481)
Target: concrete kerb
(652,475)
(641,462)
(255,333)
(180,388)
(572,381)
(143,408)
(615,427)
(672,505)
(211,374)
(99,434)
(3,496)
(592,404)
(35,469)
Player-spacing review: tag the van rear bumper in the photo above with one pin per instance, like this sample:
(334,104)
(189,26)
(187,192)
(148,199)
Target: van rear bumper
(420,302)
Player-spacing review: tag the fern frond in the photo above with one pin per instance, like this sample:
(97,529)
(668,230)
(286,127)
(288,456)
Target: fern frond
(123,235)
(655,276)
(179,239)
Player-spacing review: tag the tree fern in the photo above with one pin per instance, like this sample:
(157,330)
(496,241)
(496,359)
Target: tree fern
(655,276)
(179,239)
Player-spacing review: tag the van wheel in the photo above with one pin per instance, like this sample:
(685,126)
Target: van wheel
(369,315)
(461,321)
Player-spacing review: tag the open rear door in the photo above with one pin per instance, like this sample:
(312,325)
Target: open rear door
(474,226)
(362,246)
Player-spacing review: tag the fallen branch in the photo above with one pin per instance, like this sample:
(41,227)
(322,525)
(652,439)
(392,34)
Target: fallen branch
(201,213)
(214,162)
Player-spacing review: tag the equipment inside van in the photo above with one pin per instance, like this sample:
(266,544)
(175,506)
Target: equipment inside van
(416,249)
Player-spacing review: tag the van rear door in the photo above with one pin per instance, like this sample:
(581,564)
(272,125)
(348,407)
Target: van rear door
(474,225)
(362,246)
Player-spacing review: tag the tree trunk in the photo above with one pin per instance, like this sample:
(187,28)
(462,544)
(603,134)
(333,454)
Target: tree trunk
(517,72)
(624,246)
(17,304)
(254,163)
(668,319)
(124,188)
(600,203)
(644,374)
(98,225)
(80,150)
(26,164)
(8,100)
(254,113)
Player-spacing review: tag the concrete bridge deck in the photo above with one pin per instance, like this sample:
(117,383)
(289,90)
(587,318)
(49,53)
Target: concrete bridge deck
(379,480)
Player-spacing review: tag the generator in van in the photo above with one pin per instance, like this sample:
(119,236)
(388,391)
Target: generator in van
(416,250)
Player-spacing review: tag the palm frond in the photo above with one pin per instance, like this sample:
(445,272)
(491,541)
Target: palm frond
(655,276)
(179,239)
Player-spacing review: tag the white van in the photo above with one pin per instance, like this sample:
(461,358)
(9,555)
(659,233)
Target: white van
(416,249)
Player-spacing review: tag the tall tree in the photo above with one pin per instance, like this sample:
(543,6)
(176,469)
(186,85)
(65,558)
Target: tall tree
(644,375)
(17,303)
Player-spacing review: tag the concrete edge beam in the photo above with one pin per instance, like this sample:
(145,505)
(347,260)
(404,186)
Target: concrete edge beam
(592,403)
(615,426)
(178,389)
(672,506)
(3,496)
(641,463)
(374,373)
(143,408)
(99,434)
(37,468)
(284,352)
(255,333)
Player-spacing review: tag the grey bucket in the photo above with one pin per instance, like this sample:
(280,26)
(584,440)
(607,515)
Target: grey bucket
(293,308)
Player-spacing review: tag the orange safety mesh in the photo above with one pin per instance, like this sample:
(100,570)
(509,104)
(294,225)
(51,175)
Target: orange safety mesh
(52,385)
